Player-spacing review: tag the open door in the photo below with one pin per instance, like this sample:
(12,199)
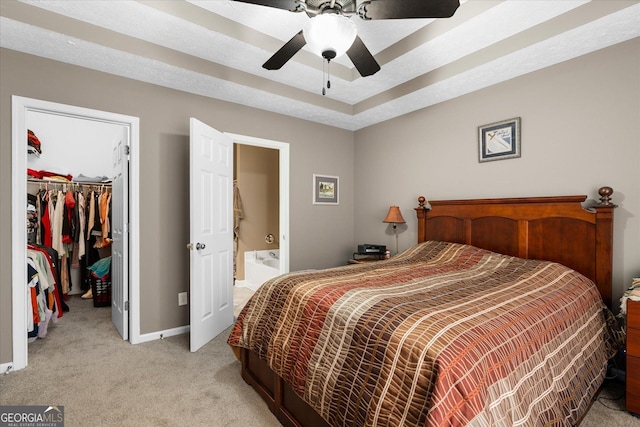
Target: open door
(120,235)
(211,233)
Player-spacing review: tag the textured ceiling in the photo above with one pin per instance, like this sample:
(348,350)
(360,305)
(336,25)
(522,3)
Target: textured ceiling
(217,48)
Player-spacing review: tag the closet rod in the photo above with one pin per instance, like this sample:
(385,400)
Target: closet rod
(70,183)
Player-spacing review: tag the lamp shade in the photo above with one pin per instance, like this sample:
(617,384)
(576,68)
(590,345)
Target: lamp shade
(394,216)
(329,32)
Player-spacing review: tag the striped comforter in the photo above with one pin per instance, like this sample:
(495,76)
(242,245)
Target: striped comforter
(441,335)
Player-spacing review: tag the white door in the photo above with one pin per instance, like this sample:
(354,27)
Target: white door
(211,233)
(120,235)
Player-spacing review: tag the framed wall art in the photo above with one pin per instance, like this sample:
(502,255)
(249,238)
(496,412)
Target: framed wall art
(325,190)
(500,140)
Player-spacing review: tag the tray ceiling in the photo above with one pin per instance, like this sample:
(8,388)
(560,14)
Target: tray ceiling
(217,48)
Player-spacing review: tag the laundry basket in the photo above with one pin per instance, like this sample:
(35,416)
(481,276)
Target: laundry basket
(101,290)
(100,275)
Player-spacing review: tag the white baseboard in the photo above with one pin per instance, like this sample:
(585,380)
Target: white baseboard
(245,284)
(162,334)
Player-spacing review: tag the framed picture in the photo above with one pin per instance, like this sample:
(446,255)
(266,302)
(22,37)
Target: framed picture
(325,190)
(500,140)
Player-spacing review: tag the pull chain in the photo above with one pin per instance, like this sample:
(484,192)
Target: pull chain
(324,92)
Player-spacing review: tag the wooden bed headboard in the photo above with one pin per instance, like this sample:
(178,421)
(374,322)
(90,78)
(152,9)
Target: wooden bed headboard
(556,229)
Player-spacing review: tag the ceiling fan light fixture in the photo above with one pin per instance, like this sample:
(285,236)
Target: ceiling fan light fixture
(329,33)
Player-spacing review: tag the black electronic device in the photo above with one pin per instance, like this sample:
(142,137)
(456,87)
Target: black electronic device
(369,249)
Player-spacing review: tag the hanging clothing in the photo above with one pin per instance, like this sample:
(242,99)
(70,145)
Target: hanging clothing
(238,214)
(104,214)
(57,222)
(67,218)
(52,259)
(66,221)
(77,228)
(81,220)
(92,213)
(32,311)
(65,280)
(65,224)
(32,218)
(44,304)
(102,229)
(47,214)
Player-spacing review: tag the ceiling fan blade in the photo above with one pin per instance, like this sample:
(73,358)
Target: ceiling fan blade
(361,57)
(290,5)
(286,52)
(392,9)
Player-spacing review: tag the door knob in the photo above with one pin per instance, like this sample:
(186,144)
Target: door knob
(200,246)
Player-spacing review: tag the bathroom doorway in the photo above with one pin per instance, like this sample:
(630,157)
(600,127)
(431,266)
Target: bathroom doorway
(261,172)
(256,176)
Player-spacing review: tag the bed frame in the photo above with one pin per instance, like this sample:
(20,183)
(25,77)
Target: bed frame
(556,229)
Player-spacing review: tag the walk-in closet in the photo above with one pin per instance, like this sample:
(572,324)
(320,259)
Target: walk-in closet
(68,217)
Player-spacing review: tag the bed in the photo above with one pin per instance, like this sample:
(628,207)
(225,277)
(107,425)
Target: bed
(497,316)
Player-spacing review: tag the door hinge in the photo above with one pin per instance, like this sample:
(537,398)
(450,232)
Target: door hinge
(126,306)
(127,150)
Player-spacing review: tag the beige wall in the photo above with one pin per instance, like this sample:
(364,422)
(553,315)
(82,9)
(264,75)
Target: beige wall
(164,182)
(257,173)
(580,131)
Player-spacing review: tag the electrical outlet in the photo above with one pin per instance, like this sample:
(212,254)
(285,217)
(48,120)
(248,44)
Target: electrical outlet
(182,298)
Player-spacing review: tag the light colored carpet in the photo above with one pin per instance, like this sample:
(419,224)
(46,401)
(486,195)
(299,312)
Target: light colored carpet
(101,380)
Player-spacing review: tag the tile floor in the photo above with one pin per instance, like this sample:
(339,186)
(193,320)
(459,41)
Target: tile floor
(241,295)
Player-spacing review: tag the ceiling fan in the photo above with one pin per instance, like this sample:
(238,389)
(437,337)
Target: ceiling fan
(330,32)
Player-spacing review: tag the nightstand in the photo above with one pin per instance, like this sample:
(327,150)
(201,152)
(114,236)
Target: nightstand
(361,259)
(633,356)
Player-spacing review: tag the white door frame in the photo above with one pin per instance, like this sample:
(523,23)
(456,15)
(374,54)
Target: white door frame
(20,106)
(283,149)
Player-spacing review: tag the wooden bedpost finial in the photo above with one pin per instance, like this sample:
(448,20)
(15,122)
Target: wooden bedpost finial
(421,201)
(605,196)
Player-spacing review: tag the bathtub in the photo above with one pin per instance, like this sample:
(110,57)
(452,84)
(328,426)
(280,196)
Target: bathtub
(260,266)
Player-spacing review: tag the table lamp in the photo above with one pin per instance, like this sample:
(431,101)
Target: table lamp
(394,217)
